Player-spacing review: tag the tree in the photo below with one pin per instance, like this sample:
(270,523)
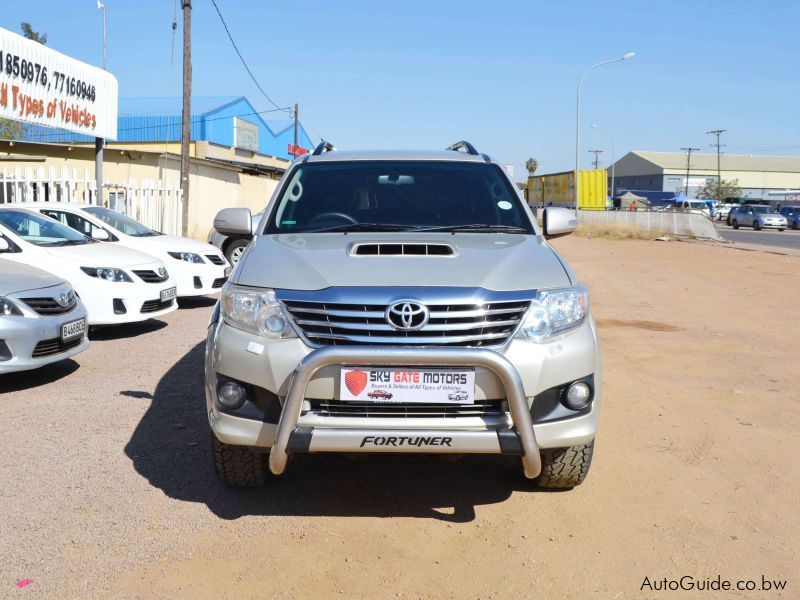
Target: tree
(12,130)
(29,33)
(723,189)
(531,164)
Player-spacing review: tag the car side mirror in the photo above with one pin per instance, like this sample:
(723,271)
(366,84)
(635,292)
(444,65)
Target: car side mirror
(4,246)
(233,221)
(99,234)
(558,221)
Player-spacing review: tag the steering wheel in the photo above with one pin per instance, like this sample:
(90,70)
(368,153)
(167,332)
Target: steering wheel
(322,217)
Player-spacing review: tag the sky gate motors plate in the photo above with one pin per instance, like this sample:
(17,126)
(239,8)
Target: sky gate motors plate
(390,385)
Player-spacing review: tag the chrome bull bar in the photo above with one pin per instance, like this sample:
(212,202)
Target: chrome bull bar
(406,357)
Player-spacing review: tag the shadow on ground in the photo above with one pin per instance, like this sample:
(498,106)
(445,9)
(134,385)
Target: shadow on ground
(171,449)
(118,332)
(23,380)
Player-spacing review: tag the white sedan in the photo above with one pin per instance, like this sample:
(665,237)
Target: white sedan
(41,318)
(199,269)
(116,284)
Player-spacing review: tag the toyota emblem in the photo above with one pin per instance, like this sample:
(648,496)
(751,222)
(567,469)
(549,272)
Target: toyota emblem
(407,315)
(162,272)
(64,298)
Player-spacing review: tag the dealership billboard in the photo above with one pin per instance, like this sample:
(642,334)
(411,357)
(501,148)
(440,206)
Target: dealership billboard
(40,86)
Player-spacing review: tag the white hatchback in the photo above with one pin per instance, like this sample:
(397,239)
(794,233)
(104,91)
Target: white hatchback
(198,268)
(116,284)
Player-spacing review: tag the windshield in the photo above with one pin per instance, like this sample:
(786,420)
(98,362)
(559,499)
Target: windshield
(763,210)
(40,230)
(700,205)
(398,196)
(120,222)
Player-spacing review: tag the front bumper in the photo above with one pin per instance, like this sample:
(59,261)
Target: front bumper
(99,297)
(295,372)
(188,276)
(22,334)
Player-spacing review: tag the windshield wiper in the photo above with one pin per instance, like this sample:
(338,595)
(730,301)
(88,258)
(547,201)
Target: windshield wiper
(479,227)
(361,227)
(69,243)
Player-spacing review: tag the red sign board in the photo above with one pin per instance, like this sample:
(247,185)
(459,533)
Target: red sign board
(299,150)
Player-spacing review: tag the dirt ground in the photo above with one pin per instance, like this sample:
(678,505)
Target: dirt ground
(107,487)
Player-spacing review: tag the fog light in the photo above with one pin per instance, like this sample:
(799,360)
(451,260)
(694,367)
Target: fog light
(275,324)
(231,395)
(578,395)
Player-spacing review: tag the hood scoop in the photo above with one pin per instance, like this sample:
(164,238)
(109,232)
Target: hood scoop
(401,249)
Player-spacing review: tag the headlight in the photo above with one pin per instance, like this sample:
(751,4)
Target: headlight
(107,273)
(8,308)
(187,256)
(554,312)
(255,312)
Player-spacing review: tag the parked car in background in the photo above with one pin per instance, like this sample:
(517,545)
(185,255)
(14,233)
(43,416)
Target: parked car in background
(233,246)
(722,211)
(694,206)
(116,284)
(734,211)
(42,320)
(792,214)
(198,269)
(758,217)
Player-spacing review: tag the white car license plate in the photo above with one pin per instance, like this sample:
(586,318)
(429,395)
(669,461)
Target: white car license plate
(390,385)
(73,329)
(168,294)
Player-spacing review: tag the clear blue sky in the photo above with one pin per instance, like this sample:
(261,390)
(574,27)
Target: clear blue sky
(422,74)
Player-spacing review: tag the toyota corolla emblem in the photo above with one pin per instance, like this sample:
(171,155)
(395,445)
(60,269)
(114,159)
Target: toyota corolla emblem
(407,315)
(162,272)
(64,298)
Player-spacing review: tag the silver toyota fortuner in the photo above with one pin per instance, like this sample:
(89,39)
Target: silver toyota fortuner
(401,302)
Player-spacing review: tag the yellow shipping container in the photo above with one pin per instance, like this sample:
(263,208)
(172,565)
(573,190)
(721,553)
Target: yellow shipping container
(559,188)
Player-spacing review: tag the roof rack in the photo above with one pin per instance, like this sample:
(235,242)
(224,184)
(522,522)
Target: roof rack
(323,146)
(463,144)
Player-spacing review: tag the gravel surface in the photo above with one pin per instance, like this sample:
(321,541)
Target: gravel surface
(107,487)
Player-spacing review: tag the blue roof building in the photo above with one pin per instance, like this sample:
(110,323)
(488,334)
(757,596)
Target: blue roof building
(224,120)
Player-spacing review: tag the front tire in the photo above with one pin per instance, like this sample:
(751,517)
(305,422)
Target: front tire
(735,224)
(238,466)
(564,468)
(756,225)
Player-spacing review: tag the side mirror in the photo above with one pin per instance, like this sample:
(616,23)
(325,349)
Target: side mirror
(4,246)
(558,221)
(101,235)
(233,221)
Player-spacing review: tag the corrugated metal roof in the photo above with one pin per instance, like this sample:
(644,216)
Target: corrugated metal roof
(730,162)
(172,105)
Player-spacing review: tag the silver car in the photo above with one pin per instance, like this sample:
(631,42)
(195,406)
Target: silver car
(42,320)
(401,302)
(758,217)
(233,246)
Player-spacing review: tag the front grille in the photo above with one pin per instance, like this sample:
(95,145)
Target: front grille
(156,305)
(50,306)
(215,259)
(219,282)
(484,408)
(454,324)
(151,276)
(55,346)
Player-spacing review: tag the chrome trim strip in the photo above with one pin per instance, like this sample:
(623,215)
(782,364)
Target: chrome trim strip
(394,355)
(384,327)
(417,340)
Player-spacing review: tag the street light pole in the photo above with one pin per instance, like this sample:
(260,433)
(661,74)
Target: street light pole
(610,135)
(625,56)
(99,142)
(718,132)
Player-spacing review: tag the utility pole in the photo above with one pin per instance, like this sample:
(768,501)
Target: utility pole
(99,143)
(596,161)
(186,115)
(718,132)
(296,152)
(689,164)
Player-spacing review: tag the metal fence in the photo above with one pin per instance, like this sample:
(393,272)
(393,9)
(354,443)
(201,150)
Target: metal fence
(677,223)
(154,203)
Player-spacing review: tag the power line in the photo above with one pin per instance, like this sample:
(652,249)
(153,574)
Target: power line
(249,72)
